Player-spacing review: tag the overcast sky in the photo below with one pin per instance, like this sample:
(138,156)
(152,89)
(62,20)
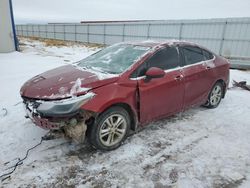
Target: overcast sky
(43,11)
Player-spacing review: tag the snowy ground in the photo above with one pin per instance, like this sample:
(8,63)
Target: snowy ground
(197,148)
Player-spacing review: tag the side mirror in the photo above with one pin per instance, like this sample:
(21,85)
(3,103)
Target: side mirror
(154,72)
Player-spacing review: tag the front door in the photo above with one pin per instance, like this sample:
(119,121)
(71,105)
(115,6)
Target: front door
(162,96)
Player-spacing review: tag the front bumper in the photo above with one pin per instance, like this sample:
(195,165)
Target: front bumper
(48,121)
(58,113)
(43,122)
(46,124)
(73,123)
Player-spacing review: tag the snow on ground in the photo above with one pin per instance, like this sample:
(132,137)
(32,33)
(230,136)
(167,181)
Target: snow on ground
(69,53)
(198,148)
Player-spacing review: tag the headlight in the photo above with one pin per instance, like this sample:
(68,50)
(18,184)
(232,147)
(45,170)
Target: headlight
(63,107)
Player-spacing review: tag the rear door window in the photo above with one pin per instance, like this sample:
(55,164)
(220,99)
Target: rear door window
(192,55)
(208,55)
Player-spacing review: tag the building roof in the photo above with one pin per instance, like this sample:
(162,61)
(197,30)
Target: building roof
(117,21)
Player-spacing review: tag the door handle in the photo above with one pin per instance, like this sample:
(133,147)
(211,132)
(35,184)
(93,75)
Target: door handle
(208,67)
(178,78)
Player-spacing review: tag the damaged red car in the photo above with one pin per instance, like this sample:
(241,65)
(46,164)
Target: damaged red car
(123,87)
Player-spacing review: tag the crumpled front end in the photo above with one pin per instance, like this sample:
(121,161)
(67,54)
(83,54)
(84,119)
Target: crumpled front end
(63,115)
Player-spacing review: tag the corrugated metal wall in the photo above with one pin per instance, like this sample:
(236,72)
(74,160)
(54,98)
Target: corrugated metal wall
(227,37)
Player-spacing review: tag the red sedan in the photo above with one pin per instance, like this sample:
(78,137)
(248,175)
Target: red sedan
(123,87)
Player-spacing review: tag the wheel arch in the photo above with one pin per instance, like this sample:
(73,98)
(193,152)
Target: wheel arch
(131,113)
(127,107)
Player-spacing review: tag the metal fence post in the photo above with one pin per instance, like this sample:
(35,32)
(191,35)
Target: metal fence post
(104,36)
(75,32)
(29,31)
(148,31)
(54,29)
(180,32)
(123,33)
(46,31)
(64,37)
(38,26)
(32,27)
(87,33)
(222,38)
(22,29)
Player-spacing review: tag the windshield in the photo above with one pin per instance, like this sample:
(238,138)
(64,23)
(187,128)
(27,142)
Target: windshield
(114,59)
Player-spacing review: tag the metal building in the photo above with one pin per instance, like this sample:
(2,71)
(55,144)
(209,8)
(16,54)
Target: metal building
(8,40)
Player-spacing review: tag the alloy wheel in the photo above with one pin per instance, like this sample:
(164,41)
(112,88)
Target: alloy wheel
(216,95)
(113,130)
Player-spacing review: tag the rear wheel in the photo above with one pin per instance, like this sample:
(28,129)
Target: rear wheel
(215,96)
(110,129)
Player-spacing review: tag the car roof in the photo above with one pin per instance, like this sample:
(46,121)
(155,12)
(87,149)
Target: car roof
(155,43)
(172,42)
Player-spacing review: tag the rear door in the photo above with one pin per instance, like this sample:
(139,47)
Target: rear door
(161,96)
(210,69)
(195,71)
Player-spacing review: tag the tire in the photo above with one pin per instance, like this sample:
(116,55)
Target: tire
(110,129)
(215,96)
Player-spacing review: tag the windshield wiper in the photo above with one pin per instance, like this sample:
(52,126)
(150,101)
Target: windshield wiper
(110,72)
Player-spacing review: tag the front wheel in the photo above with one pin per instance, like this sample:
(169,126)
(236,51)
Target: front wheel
(215,96)
(110,129)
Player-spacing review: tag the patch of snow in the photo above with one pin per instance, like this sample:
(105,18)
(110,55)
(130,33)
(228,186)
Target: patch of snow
(67,54)
(210,63)
(107,58)
(77,88)
(98,72)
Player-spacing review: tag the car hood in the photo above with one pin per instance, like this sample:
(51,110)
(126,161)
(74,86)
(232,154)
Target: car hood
(64,82)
